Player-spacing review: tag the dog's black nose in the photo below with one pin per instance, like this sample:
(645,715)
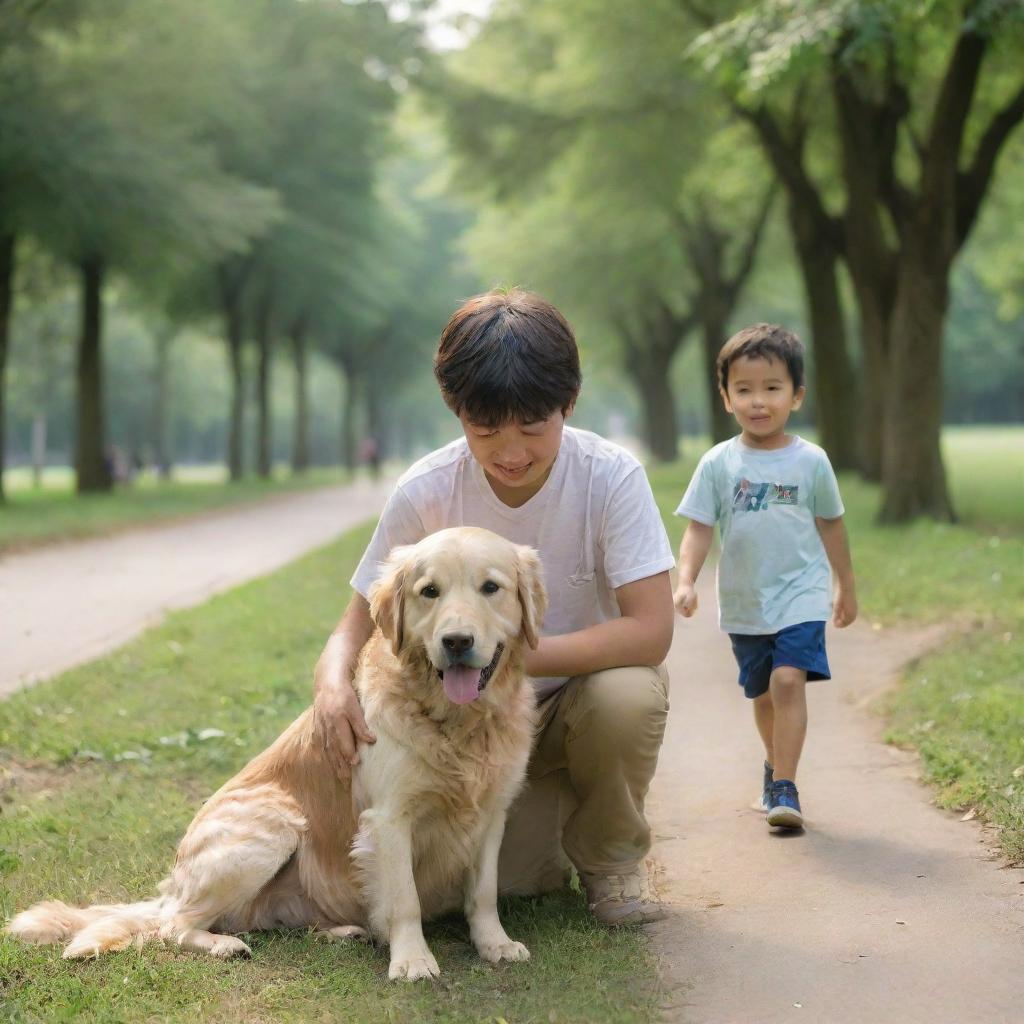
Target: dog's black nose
(457,643)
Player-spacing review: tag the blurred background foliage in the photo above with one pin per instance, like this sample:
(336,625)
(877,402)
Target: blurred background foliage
(230,232)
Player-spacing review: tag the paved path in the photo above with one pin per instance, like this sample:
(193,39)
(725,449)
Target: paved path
(64,604)
(884,910)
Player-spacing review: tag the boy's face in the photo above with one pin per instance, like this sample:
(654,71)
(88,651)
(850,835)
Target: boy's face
(761,396)
(517,457)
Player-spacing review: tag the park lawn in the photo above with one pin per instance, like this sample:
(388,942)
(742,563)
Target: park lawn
(53,513)
(106,765)
(962,705)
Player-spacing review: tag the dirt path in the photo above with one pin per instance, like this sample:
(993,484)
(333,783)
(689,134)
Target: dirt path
(884,910)
(64,604)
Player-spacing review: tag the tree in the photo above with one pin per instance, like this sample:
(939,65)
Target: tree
(324,90)
(132,186)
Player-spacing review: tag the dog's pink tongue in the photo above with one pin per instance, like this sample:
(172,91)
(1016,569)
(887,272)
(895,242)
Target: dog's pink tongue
(461,683)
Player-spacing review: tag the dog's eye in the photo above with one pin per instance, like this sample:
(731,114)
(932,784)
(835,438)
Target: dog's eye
(430,591)
(489,587)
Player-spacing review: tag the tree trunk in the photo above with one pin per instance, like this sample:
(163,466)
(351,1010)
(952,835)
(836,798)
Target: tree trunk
(349,443)
(300,447)
(161,405)
(835,382)
(650,373)
(6,287)
(868,131)
(875,314)
(93,468)
(713,333)
(231,306)
(38,448)
(913,475)
(264,342)
(375,427)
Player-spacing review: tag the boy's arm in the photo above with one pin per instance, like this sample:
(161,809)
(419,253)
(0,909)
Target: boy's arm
(337,714)
(837,548)
(693,552)
(641,635)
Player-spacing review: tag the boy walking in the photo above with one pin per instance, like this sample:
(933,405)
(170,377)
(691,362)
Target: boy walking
(508,367)
(776,501)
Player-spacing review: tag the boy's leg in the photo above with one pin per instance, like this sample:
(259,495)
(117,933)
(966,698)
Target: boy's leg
(753,654)
(764,717)
(788,693)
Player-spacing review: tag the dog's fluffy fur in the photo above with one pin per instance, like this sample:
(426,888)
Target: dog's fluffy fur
(413,833)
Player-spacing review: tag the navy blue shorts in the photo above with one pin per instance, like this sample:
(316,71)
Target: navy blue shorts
(799,646)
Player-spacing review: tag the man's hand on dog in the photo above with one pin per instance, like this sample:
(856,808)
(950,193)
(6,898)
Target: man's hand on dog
(340,723)
(337,714)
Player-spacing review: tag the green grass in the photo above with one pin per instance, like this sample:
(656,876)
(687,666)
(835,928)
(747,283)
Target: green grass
(55,512)
(986,471)
(961,706)
(104,769)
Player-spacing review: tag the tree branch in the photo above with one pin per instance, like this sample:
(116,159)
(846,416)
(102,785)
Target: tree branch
(973,184)
(699,13)
(786,156)
(748,253)
(949,118)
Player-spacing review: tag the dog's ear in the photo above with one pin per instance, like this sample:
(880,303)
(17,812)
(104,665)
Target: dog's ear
(387,598)
(533,598)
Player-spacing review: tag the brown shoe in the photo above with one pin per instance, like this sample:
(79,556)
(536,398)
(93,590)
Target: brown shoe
(623,898)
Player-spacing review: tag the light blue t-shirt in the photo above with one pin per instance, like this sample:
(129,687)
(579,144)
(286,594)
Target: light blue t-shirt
(773,571)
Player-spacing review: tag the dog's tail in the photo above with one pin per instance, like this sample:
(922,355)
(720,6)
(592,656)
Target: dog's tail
(90,931)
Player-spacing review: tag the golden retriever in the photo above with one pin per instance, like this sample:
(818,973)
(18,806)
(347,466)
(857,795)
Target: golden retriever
(416,830)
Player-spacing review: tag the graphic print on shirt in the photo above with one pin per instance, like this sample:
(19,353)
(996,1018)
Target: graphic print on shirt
(748,496)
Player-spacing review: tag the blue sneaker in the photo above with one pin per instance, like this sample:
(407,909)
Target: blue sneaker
(784,805)
(766,787)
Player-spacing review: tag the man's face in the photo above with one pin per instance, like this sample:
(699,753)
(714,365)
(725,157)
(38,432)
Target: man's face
(517,457)
(761,395)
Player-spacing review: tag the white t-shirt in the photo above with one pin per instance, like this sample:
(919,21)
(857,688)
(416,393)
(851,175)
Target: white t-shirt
(594,523)
(773,571)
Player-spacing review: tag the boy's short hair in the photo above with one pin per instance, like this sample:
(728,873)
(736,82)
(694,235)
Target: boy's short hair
(507,356)
(765,341)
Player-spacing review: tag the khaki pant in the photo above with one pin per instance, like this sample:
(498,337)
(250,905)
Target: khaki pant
(592,763)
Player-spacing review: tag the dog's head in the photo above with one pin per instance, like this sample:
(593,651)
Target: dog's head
(463,598)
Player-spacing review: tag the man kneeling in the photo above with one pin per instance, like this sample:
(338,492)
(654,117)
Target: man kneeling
(508,367)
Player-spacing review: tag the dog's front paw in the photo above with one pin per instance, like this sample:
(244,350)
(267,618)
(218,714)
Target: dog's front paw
(227,946)
(493,952)
(414,967)
(343,933)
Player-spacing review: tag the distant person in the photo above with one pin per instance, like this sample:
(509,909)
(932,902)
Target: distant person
(369,455)
(776,501)
(508,367)
(116,465)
